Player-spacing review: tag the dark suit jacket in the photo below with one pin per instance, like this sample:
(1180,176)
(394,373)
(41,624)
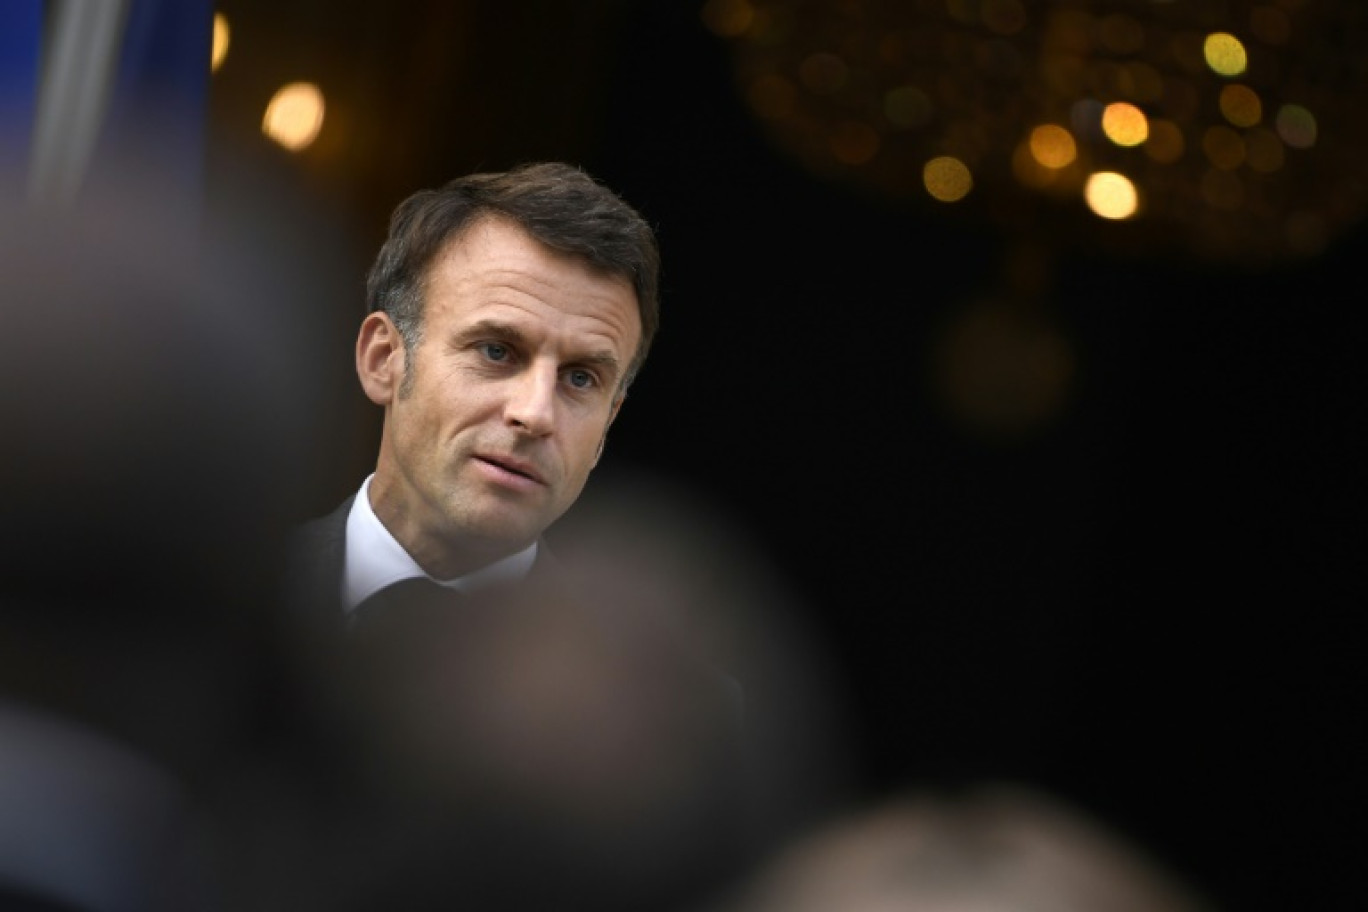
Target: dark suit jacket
(318,552)
(316,563)
(554,724)
(314,582)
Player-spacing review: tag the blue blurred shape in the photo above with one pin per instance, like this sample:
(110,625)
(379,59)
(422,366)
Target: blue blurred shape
(21,38)
(105,96)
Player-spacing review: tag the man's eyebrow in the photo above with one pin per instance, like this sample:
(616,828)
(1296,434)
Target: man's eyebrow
(604,360)
(494,328)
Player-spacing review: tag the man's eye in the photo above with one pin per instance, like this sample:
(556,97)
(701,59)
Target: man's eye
(581,379)
(494,351)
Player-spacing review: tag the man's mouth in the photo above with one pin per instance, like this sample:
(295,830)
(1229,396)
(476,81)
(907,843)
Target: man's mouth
(513,466)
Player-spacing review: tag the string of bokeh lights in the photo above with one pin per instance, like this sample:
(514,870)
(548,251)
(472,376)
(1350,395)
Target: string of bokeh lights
(1229,131)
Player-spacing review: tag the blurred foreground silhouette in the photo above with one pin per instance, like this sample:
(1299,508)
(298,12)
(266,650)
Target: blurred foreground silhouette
(162,403)
(994,848)
(633,732)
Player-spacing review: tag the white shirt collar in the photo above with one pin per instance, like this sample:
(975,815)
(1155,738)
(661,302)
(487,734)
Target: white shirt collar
(375,559)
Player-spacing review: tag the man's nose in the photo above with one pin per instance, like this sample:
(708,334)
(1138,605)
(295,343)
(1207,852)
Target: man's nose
(531,402)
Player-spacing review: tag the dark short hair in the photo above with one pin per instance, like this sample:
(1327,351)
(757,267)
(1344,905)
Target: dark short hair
(558,204)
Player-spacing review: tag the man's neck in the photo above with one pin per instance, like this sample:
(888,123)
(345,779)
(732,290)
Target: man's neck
(375,557)
(442,557)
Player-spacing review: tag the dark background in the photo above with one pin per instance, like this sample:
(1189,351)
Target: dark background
(1145,602)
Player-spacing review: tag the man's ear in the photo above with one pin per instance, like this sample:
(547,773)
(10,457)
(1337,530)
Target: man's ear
(380,358)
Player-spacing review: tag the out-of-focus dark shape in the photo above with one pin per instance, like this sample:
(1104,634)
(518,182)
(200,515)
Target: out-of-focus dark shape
(531,743)
(992,848)
(165,416)
(89,823)
(688,563)
(146,387)
(163,411)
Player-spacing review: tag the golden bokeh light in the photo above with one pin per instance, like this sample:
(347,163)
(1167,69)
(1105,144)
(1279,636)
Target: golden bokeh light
(294,115)
(1125,124)
(947,179)
(1297,126)
(222,38)
(1053,146)
(1225,54)
(1111,195)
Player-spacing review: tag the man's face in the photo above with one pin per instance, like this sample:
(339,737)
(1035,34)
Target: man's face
(516,379)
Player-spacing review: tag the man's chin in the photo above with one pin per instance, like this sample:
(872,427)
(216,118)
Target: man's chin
(498,536)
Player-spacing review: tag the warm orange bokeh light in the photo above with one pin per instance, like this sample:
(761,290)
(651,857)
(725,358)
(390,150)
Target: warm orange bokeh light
(294,115)
(222,38)
(1111,195)
(1053,146)
(947,179)
(1125,124)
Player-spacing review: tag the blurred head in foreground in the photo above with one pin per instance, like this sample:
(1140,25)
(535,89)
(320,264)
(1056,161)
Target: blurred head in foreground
(576,724)
(994,849)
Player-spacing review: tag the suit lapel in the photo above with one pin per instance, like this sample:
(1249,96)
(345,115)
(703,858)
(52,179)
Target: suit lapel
(318,553)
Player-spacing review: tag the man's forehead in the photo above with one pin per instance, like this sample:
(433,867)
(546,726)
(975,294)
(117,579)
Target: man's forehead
(490,235)
(517,300)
